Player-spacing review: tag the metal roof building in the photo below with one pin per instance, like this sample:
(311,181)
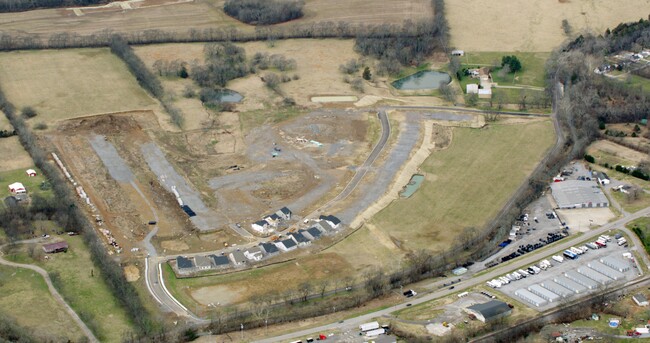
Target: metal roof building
(578,194)
(594,275)
(490,310)
(569,284)
(615,263)
(531,298)
(581,279)
(605,270)
(544,293)
(557,289)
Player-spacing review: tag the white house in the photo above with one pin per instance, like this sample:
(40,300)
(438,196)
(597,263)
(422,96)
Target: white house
(30,172)
(273,219)
(17,188)
(286,245)
(472,88)
(261,226)
(284,213)
(254,254)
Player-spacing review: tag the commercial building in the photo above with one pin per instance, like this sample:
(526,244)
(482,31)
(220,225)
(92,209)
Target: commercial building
(594,275)
(581,279)
(557,289)
(569,284)
(543,293)
(605,270)
(615,263)
(578,194)
(490,310)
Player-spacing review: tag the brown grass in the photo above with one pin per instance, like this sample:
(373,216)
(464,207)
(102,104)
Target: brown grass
(536,25)
(14,155)
(63,84)
(202,14)
(612,153)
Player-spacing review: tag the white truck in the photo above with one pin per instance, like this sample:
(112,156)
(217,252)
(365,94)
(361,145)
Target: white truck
(523,273)
(622,241)
(576,251)
(536,269)
(558,258)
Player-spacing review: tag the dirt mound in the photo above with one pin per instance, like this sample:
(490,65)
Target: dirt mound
(132,273)
(102,124)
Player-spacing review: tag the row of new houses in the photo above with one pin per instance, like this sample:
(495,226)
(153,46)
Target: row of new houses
(238,258)
(270,222)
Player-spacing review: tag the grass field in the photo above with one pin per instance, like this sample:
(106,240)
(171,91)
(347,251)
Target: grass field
(18,175)
(14,155)
(88,295)
(536,25)
(531,73)
(641,227)
(486,165)
(62,84)
(632,205)
(24,296)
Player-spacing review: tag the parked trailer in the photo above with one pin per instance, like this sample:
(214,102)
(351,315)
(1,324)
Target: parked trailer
(576,251)
(570,254)
(615,263)
(601,244)
(584,249)
(569,284)
(369,326)
(530,298)
(592,246)
(543,293)
(581,279)
(622,241)
(536,269)
(558,258)
(557,289)
(375,332)
(605,270)
(523,273)
(594,275)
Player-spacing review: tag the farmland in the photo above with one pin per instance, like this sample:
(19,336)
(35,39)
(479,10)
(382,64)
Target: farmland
(532,26)
(63,84)
(24,296)
(180,16)
(80,283)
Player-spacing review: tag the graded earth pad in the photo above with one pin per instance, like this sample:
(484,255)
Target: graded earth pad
(535,25)
(63,84)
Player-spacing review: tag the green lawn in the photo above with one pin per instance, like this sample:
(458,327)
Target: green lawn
(31,183)
(466,184)
(24,297)
(88,295)
(641,227)
(531,73)
(252,119)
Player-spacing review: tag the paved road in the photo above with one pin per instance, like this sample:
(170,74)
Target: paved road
(525,260)
(52,290)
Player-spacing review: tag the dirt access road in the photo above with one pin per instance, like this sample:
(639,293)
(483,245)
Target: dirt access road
(50,286)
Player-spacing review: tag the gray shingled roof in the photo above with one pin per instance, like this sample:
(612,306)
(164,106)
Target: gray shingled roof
(491,308)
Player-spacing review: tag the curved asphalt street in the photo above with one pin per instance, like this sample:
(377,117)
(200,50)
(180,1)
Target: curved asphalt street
(53,291)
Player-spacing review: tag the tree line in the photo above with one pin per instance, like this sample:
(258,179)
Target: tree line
(264,12)
(66,212)
(147,80)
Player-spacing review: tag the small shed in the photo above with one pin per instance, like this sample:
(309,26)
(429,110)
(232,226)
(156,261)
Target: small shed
(17,188)
(53,248)
(471,88)
(31,172)
(640,299)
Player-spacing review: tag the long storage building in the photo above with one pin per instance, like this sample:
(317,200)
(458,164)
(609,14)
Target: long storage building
(581,279)
(605,270)
(615,263)
(594,275)
(557,289)
(530,298)
(569,284)
(544,293)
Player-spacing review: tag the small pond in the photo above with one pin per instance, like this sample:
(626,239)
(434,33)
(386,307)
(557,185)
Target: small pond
(425,79)
(227,95)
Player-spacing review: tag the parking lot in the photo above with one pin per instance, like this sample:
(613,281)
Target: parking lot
(558,270)
(531,231)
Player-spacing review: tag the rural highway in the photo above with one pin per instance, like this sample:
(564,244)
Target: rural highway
(520,262)
(87,332)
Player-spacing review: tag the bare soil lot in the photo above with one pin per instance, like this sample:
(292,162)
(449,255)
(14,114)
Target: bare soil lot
(609,152)
(503,25)
(62,84)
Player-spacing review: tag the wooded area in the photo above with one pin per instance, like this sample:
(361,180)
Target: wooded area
(22,5)
(264,12)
